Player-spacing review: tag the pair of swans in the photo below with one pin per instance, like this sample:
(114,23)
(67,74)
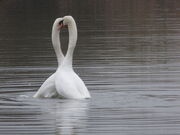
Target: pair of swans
(64,83)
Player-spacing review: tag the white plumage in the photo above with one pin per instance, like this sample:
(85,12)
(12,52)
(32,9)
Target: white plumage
(64,82)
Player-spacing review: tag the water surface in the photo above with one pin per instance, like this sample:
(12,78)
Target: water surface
(127,54)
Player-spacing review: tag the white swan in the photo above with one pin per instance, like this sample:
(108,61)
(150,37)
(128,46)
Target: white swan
(64,82)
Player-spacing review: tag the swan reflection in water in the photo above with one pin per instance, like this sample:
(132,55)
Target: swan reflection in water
(69,116)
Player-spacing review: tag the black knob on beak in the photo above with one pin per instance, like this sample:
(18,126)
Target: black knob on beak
(61,22)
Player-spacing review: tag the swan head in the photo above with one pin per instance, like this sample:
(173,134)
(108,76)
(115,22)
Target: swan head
(67,20)
(58,23)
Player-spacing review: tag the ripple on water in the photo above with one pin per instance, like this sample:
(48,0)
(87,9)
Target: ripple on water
(127,54)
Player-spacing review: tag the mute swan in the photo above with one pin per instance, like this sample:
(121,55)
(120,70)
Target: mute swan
(64,82)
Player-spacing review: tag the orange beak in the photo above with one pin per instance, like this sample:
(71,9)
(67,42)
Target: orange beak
(61,26)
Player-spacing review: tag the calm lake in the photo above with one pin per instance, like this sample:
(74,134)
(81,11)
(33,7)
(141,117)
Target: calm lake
(128,54)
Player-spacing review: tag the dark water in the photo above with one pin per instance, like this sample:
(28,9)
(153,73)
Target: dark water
(128,54)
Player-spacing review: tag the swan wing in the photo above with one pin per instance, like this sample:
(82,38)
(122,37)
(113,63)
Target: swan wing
(65,85)
(69,85)
(47,89)
(80,85)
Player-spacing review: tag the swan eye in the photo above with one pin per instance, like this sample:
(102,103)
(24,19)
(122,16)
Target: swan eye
(61,22)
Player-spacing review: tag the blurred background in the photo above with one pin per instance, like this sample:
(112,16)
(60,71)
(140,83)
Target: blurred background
(127,54)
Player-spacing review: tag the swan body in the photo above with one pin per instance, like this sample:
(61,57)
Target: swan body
(47,89)
(64,82)
(69,84)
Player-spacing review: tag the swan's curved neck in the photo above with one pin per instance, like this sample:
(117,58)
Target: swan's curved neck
(72,43)
(57,45)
